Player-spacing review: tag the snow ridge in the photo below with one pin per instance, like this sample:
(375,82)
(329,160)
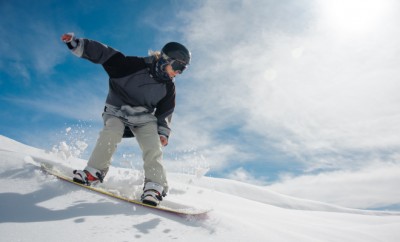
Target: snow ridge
(37,207)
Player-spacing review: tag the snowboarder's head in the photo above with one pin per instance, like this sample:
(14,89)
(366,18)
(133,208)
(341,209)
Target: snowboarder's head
(173,59)
(177,55)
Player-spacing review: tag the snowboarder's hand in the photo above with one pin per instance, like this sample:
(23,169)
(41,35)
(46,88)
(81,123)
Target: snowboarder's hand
(68,37)
(164,140)
(70,40)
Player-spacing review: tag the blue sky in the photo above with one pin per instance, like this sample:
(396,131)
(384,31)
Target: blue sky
(298,95)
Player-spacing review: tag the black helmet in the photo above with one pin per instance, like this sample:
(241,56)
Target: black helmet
(176,51)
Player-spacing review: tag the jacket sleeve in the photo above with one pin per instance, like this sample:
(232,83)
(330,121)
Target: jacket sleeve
(164,111)
(93,51)
(114,62)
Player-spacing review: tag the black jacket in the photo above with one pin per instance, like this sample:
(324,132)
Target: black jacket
(132,83)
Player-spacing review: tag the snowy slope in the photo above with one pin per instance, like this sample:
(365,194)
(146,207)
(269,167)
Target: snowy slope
(36,207)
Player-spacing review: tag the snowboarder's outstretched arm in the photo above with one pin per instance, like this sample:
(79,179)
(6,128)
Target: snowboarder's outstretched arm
(114,62)
(89,49)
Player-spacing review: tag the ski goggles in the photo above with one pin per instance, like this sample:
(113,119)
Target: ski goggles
(177,65)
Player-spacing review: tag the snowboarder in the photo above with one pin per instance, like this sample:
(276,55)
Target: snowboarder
(140,103)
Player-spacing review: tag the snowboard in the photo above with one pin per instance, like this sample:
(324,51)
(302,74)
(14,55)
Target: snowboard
(165,206)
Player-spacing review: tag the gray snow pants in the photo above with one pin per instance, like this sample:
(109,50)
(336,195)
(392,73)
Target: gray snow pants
(149,142)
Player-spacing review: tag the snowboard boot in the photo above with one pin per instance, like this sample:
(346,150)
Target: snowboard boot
(152,194)
(89,176)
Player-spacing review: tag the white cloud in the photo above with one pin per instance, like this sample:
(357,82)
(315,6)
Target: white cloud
(282,72)
(354,17)
(241,174)
(273,70)
(46,48)
(373,186)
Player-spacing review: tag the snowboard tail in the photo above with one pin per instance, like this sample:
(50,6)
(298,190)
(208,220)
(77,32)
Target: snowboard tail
(170,207)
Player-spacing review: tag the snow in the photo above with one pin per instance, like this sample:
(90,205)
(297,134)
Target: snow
(39,207)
